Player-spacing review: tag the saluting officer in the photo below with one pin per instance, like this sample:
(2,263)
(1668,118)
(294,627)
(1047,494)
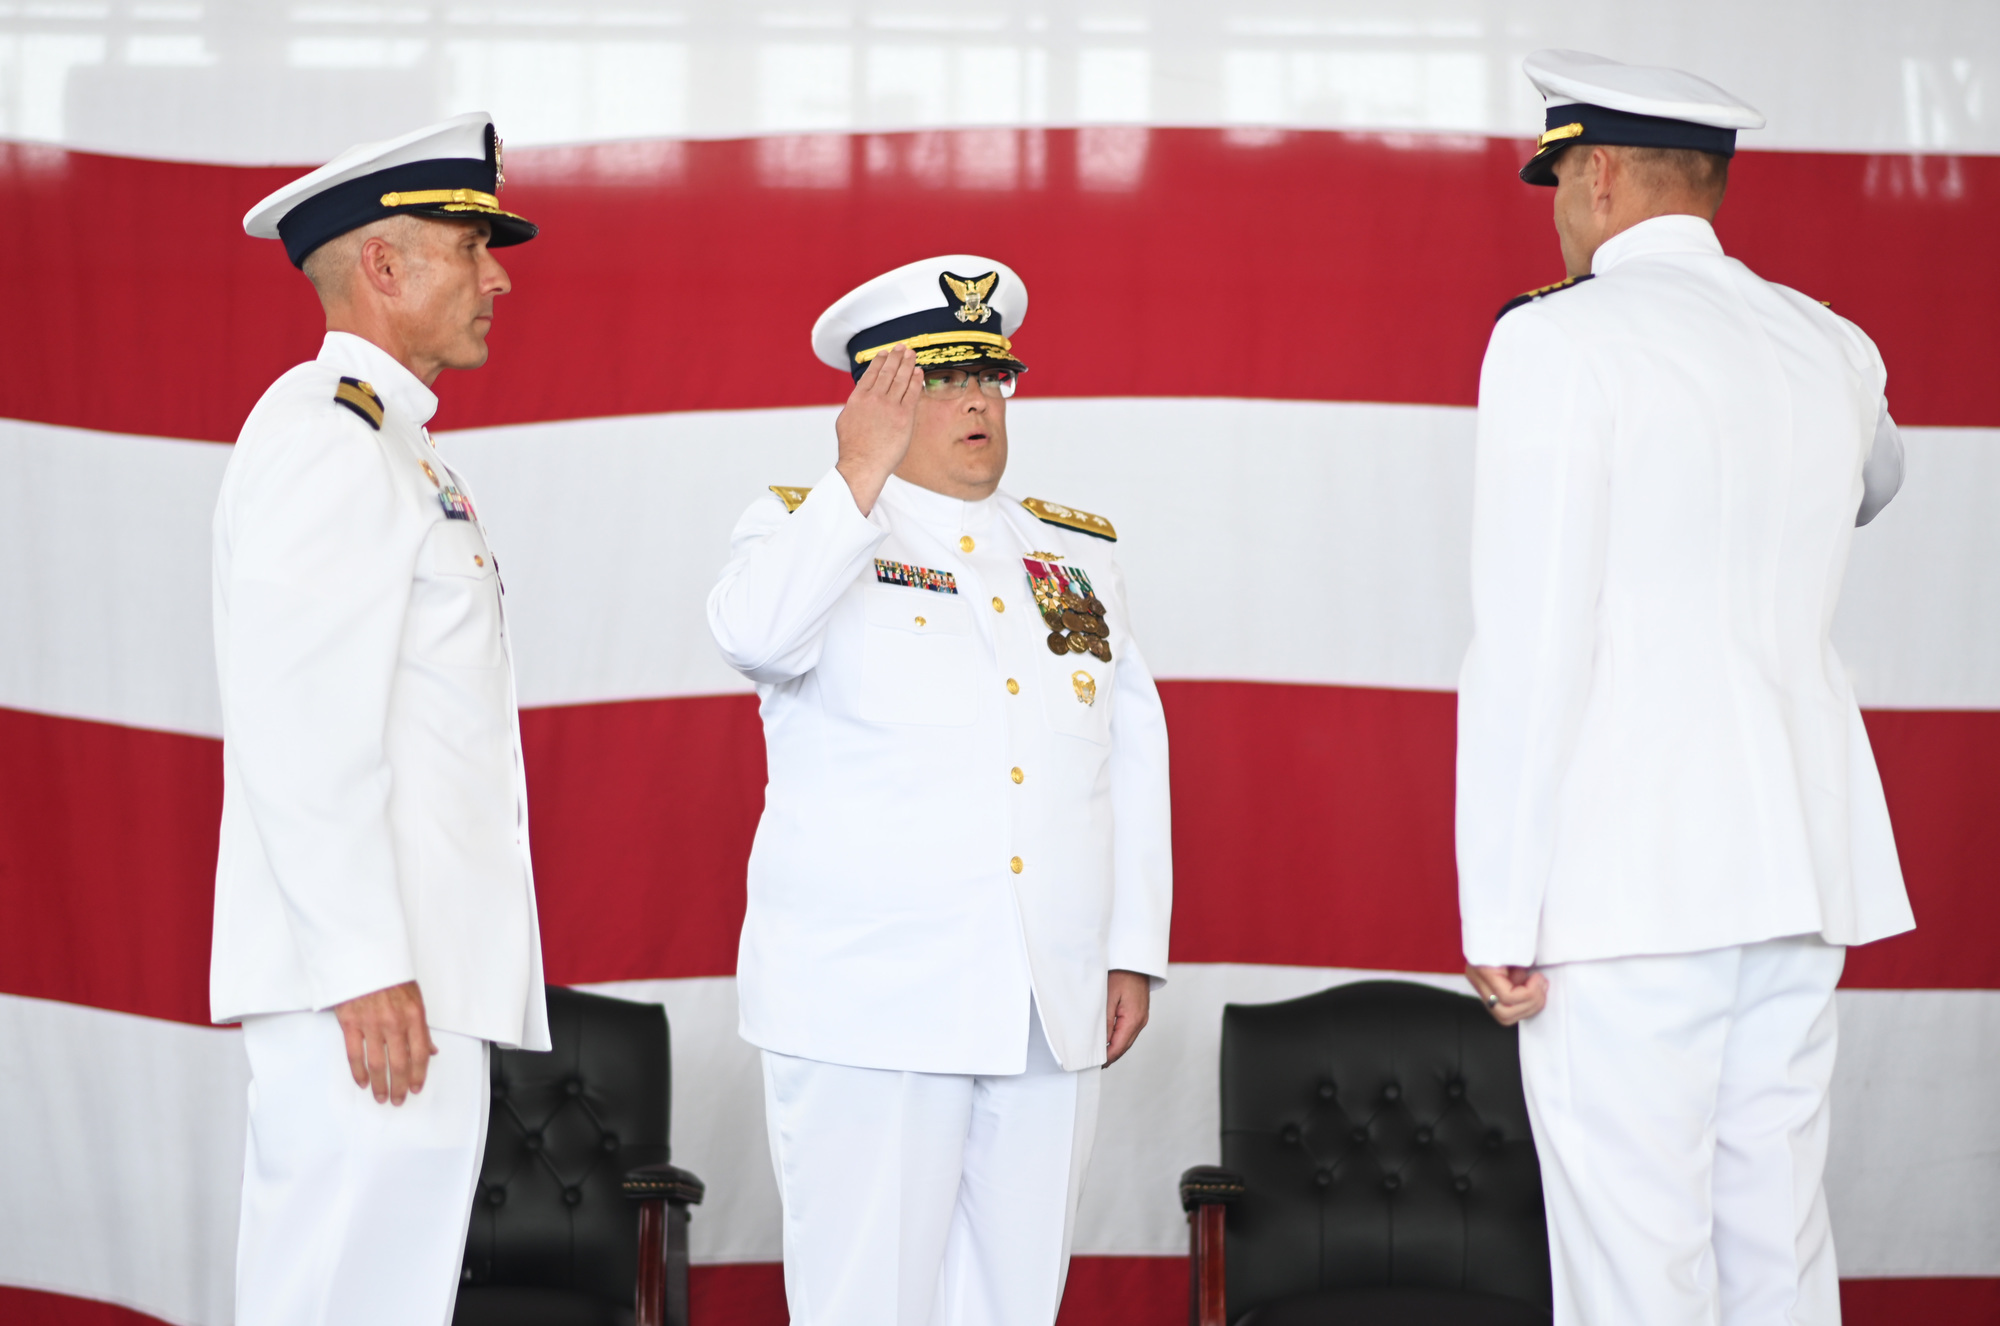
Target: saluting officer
(960,886)
(1670,824)
(375,925)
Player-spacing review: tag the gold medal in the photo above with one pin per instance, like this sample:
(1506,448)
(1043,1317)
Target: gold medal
(1101,650)
(1057,643)
(1077,643)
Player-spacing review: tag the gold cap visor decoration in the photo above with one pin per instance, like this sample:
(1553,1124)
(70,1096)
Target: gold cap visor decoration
(951,348)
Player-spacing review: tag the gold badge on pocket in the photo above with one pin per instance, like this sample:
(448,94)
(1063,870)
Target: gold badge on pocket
(1086,687)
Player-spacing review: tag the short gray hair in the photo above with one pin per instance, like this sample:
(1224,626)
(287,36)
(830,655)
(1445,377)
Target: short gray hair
(1704,173)
(331,266)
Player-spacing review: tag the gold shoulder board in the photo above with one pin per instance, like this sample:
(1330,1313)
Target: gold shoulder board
(793,498)
(1541,292)
(359,397)
(1070,518)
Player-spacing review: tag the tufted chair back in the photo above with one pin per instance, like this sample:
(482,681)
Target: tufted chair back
(1383,1141)
(553,1238)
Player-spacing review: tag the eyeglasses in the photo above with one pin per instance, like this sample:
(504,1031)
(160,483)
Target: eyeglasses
(949,382)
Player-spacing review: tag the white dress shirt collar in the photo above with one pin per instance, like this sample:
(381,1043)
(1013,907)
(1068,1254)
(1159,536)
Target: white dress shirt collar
(935,509)
(1676,233)
(396,385)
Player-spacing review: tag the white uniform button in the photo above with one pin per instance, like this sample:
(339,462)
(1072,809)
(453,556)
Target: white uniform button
(1016,774)
(965,543)
(1015,865)
(920,621)
(1013,687)
(998,606)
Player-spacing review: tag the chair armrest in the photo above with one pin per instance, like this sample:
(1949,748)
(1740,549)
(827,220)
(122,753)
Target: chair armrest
(1210,1185)
(1207,1193)
(664,1195)
(653,1183)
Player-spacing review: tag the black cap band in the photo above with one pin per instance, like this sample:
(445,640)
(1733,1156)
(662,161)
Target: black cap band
(941,339)
(436,188)
(1584,123)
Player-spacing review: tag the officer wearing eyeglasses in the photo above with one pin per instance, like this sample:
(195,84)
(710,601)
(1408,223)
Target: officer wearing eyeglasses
(959,890)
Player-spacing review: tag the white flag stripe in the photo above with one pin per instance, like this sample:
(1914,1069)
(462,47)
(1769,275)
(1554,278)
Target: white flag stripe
(121,1158)
(127,1193)
(1278,541)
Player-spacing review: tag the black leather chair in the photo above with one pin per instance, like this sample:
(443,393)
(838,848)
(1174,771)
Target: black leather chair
(1377,1168)
(578,1219)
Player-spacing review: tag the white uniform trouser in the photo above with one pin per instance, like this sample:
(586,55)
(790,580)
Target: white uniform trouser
(354,1213)
(928,1199)
(1680,1112)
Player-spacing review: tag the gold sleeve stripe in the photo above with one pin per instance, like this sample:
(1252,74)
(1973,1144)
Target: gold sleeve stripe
(793,498)
(1070,518)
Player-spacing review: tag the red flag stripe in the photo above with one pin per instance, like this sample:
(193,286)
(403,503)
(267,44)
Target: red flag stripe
(1310,265)
(1312,827)
(1125,1291)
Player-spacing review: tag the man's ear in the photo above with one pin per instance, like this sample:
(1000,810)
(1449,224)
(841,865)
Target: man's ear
(381,265)
(1605,176)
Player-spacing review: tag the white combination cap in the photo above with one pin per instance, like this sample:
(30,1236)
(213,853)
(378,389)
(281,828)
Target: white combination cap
(955,309)
(446,170)
(1591,99)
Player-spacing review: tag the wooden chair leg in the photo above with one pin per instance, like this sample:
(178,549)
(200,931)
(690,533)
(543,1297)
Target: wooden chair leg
(664,1195)
(1208,1304)
(650,1299)
(675,1265)
(1207,1193)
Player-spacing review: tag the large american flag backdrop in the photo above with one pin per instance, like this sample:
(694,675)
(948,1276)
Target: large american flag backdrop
(1264,252)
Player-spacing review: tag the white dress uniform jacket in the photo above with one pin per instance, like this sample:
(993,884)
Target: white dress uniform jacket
(1659,751)
(907,892)
(374,817)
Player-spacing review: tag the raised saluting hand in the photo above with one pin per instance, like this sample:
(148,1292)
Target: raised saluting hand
(875,425)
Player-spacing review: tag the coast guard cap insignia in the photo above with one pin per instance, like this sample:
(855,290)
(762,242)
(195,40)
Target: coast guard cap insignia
(970,295)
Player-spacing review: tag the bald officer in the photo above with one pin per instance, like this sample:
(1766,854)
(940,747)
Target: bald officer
(375,921)
(1670,826)
(960,885)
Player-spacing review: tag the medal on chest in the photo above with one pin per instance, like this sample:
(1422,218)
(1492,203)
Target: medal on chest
(457,506)
(1071,609)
